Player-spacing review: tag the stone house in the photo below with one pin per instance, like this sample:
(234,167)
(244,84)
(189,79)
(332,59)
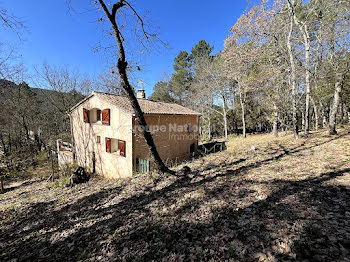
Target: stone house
(107,139)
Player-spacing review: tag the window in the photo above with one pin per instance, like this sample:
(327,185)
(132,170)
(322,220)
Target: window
(98,140)
(116,146)
(95,115)
(98,115)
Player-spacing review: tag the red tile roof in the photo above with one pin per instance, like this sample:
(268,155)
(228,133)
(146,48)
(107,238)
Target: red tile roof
(147,106)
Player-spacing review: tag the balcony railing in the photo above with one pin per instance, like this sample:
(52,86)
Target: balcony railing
(64,146)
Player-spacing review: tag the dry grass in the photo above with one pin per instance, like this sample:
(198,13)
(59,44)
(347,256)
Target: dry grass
(285,200)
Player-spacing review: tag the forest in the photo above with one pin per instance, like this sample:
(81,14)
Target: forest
(276,93)
(284,67)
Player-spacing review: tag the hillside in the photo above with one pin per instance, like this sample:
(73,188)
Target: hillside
(285,200)
(44,97)
(7,86)
(35,112)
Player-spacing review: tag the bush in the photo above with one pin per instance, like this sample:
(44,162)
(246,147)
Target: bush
(68,169)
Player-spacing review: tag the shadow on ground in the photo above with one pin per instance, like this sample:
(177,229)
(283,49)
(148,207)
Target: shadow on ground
(218,216)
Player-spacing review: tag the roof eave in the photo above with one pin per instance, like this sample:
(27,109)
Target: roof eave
(169,114)
(81,102)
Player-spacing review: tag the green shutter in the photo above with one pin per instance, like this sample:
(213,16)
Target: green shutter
(143,166)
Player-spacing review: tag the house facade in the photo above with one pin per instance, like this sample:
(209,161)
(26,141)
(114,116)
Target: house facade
(107,139)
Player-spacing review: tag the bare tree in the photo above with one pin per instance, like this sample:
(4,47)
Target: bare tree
(339,82)
(245,53)
(122,65)
(9,66)
(293,81)
(210,77)
(304,29)
(338,42)
(10,69)
(109,81)
(63,81)
(11,22)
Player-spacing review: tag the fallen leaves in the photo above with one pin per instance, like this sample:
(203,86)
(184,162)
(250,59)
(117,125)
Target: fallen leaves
(289,201)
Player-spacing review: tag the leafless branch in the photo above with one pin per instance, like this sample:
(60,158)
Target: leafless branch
(11,22)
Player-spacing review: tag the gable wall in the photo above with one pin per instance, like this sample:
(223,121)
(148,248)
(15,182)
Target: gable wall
(84,139)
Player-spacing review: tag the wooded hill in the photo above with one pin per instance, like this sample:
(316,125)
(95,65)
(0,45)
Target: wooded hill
(31,120)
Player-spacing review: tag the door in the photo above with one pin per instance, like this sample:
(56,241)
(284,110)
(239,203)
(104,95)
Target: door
(142,165)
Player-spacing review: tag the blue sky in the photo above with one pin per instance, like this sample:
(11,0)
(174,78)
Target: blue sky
(60,37)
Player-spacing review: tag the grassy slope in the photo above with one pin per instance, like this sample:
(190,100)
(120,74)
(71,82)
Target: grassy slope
(286,200)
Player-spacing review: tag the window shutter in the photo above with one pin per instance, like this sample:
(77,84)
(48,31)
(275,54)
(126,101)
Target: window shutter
(108,145)
(121,147)
(86,115)
(106,116)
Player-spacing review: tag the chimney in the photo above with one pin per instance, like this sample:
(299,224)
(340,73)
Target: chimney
(141,94)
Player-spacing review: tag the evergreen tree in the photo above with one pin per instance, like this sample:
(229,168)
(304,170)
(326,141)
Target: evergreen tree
(178,88)
(162,92)
(181,78)
(202,49)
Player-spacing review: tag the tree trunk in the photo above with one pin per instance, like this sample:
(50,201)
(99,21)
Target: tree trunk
(323,114)
(293,81)
(233,91)
(242,101)
(348,114)
(122,66)
(339,81)
(225,125)
(275,121)
(316,113)
(224,110)
(324,119)
(9,142)
(302,120)
(304,30)
(341,112)
(2,182)
(3,144)
(25,126)
(52,164)
(209,129)
(307,81)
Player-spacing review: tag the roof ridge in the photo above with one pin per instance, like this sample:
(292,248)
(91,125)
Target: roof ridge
(146,105)
(105,93)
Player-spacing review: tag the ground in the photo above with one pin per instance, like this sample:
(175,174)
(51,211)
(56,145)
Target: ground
(263,199)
